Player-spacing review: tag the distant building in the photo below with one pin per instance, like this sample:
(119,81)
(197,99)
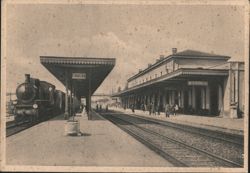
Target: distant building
(200,83)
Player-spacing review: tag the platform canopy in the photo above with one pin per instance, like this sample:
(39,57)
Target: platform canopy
(81,75)
(84,74)
(175,78)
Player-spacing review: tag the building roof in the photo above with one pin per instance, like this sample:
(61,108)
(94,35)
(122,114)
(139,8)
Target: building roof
(183,54)
(77,60)
(84,74)
(195,53)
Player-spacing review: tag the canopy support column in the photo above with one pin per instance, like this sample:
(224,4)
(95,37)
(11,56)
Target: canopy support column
(88,98)
(66,114)
(70,100)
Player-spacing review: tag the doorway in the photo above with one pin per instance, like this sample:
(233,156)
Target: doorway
(198,100)
(214,100)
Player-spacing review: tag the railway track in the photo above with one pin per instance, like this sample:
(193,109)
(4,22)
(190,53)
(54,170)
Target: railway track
(176,151)
(218,135)
(12,128)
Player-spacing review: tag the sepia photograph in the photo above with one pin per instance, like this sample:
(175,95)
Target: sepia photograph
(124,86)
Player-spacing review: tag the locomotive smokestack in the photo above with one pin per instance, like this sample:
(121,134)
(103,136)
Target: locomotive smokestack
(27,78)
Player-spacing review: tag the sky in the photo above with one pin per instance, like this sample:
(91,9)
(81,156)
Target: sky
(133,34)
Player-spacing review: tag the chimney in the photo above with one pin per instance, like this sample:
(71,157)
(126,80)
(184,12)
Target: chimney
(161,57)
(174,51)
(27,78)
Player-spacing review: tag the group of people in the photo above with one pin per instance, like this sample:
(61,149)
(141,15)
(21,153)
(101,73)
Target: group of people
(169,109)
(99,107)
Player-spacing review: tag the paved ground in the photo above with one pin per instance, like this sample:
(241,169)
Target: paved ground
(235,126)
(102,144)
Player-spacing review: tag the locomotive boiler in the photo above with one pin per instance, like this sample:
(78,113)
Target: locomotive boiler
(37,100)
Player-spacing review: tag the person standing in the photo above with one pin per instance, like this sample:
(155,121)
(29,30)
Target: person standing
(133,108)
(150,108)
(107,108)
(176,109)
(142,107)
(97,107)
(167,110)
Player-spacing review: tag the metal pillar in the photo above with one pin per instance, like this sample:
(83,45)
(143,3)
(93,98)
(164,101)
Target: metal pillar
(88,98)
(189,97)
(66,114)
(173,97)
(220,100)
(73,101)
(70,100)
(237,84)
(208,98)
(193,98)
(170,97)
(203,98)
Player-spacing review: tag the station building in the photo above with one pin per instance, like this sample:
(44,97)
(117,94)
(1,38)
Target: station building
(200,83)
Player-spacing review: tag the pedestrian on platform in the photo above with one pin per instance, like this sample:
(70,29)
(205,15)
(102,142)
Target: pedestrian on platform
(167,110)
(142,107)
(101,108)
(176,109)
(107,108)
(97,107)
(133,108)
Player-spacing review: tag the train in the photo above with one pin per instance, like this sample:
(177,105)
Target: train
(39,100)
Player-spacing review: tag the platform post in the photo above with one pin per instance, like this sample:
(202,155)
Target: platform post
(88,99)
(207,93)
(70,100)
(66,114)
(193,98)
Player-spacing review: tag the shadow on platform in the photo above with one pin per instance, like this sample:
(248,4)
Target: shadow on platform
(80,134)
(118,117)
(59,117)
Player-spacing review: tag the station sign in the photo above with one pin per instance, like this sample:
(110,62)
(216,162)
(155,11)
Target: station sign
(198,83)
(78,75)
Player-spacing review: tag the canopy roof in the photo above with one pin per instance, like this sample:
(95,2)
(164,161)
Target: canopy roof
(84,74)
(175,78)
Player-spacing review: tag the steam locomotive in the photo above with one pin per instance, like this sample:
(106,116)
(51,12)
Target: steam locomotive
(37,100)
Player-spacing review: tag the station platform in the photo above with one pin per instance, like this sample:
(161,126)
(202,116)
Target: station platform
(234,126)
(101,143)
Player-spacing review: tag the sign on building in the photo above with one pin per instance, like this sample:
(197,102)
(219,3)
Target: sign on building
(198,83)
(78,75)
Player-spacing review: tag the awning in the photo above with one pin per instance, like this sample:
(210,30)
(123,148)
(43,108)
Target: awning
(83,74)
(177,76)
